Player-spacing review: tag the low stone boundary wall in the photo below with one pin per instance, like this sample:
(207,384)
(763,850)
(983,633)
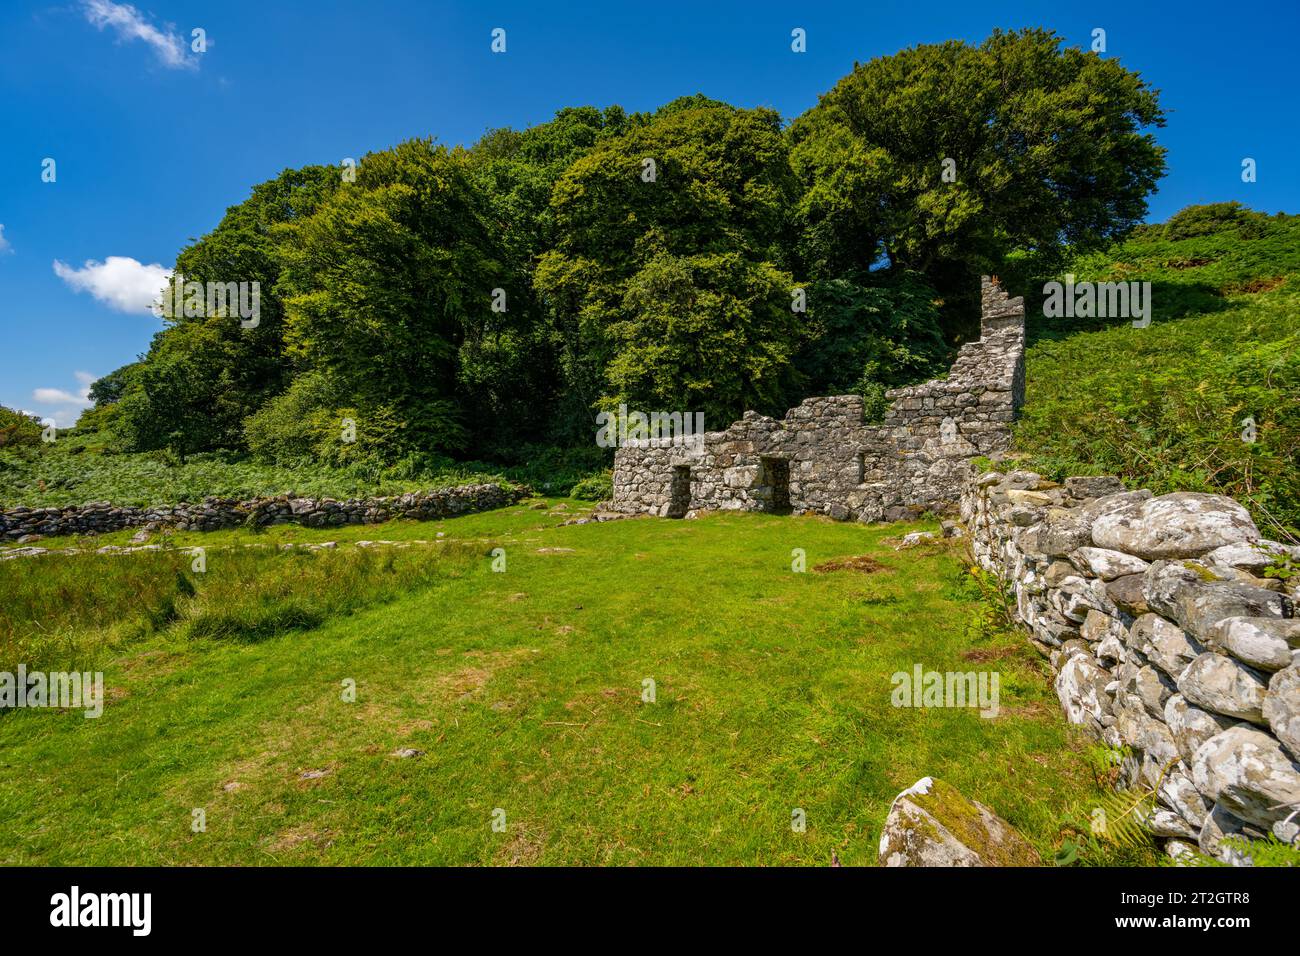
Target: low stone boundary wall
(1168,641)
(213,514)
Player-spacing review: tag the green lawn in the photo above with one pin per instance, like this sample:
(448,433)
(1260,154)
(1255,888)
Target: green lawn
(524,691)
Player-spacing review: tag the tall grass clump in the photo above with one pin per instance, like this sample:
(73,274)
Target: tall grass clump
(70,611)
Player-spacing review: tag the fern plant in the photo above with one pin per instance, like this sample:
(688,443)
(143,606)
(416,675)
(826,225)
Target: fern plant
(1116,822)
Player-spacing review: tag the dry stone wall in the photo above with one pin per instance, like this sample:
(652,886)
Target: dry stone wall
(1168,641)
(823,457)
(213,514)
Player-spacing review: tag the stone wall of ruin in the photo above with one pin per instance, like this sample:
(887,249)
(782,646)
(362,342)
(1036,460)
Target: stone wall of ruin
(838,464)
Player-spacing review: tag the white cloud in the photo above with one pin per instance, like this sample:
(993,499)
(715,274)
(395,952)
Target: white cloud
(120,282)
(53,396)
(63,407)
(5,244)
(130,24)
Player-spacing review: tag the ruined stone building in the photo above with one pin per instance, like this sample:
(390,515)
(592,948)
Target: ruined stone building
(824,458)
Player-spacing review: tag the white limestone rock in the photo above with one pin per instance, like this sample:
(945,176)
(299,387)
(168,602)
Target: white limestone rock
(1262,642)
(1185,524)
(1180,592)
(1177,791)
(1220,824)
(1282,707)
(1081,688)
(1166,645)
(1107,564)
(1253,558)
(1191,726)
(1220,684)
(1245,771)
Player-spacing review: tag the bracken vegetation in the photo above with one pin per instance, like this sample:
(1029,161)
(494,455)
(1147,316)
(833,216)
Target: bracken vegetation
(1206,398)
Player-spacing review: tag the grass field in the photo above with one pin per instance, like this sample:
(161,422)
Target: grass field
(524,691)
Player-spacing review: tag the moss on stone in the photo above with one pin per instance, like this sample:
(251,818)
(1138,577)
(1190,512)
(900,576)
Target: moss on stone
(1201,571)
(962,818)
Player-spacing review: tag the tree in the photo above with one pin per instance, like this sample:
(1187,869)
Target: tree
(868,333)
(516,387)
(203,375)
(710,333)
(387,281)
(667,285)
(18,428)
(1043,146)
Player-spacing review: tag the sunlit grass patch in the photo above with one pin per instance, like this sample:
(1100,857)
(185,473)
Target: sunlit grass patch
(656,693)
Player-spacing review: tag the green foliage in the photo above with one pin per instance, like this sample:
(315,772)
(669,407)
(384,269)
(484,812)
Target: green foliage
(203,375)
(58,474)
(597,487)
(111,387)
(17,429)
(1048,146)
(1166,406)
(666,287)
(866,334)
(551,470)
(706,333)
(386,280)
(1219,217)
(1110,828)
(995,610)
(306,424)
(1269,851)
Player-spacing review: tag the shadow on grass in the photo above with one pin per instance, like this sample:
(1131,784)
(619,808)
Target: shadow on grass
(1170,301)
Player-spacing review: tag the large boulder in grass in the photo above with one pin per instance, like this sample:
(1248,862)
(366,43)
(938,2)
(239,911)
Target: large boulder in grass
(1185,524)
(931,824)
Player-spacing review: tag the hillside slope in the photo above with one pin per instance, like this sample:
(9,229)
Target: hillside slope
(1170,406)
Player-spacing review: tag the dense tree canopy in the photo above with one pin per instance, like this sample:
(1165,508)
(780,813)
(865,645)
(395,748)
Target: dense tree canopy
(1042,145)
(203,375)
(665,283)
(701,257)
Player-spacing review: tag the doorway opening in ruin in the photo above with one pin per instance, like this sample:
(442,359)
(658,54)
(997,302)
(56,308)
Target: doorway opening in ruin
(679,494)
(776,476)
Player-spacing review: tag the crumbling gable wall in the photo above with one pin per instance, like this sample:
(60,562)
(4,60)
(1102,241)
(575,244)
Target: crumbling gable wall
(837,463)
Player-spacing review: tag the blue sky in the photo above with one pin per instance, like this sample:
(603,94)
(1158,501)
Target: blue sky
(152,142)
